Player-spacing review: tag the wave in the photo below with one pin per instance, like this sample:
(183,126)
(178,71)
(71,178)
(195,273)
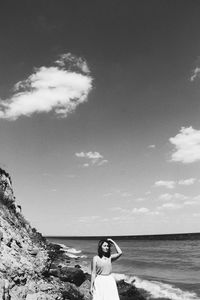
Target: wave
(71,252)
(157,289)
(68,249)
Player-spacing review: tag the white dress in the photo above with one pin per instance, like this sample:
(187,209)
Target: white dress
(105,287)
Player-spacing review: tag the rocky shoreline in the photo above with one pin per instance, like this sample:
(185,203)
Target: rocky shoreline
(77,282)
(32,268)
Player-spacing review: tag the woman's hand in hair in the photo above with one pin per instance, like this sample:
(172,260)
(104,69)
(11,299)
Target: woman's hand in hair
(110,241)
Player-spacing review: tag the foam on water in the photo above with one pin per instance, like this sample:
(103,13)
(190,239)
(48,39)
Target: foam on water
(71,252)
(158,289)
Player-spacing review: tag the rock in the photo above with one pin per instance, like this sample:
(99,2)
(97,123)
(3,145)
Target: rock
(45,287)
(72,292)
(73,275)
(77,266)
(33,251)
(128,291)
(20,292)
(85,290)
(39,296)
(32,296)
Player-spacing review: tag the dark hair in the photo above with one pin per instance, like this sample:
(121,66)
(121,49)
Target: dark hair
(100,251)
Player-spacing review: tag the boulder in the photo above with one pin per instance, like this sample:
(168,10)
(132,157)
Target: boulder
(45,287)
(85,290)
(73,275)
(128,291)
(72,292)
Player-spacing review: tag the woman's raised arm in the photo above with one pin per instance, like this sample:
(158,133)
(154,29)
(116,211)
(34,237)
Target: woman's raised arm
(119,251)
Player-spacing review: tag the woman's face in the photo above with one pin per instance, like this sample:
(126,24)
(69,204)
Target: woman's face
(105,247)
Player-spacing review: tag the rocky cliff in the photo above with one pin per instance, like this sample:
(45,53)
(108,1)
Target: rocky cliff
(23,253)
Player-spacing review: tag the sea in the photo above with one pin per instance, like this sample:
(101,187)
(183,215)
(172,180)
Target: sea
(166,268)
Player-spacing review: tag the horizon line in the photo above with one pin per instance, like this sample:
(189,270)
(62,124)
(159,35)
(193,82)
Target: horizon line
(121,236)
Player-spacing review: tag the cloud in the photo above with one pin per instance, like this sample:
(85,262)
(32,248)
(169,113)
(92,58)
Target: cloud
(88,219)
(59,88)
(140,199)
(175,196)
(107,194)
(190,202)
(152,146)
(179,196)
(168,184)
(197,198)
(165,197)
(125,195)
(118,193)
(141,210)
(195,74)
(170,205)
(73,63)
(120,209)
(129,212)
(86,165)
(187,145)
(196,215)
(188,181)
(92,158)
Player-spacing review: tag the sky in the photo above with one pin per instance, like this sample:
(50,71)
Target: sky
(99,114)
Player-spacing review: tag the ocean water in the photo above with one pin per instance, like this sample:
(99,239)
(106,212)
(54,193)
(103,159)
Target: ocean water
(164,268)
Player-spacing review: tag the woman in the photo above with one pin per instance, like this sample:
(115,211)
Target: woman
(103,285)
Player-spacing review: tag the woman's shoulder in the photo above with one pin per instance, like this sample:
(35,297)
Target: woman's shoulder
(95,258)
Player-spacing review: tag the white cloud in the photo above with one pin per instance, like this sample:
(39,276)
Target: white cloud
(196,215)
(195,74)
(125,195)
(86,165)
(141,210)
(59,88)
(129,212)
(197,198)
(175,196)
(140,199)
(93,158)
(118,193)
(188,181)
(179,196)
(71,62)
(107,194)
(187,145)
(170,206)
(165,197)
(191,202)
(88,219)
(102,162)
(120,209)
(152,146)
(168,184)
(90,155)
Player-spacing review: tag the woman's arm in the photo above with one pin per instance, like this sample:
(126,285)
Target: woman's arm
(93,274)
(119,251)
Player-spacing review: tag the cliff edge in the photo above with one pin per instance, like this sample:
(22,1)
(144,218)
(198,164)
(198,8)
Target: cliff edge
(23,252)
